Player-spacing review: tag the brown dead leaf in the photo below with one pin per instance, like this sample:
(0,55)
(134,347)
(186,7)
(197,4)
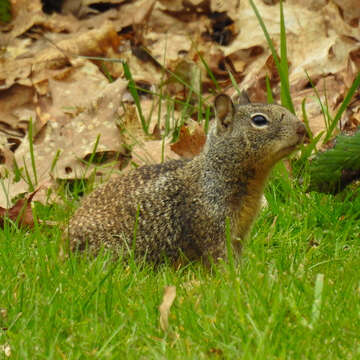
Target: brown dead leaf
(216,352)
(25,15)
(21,211)
(75,138)
(16,107)
(191,141)
(133,13)
(6,160)
(350,9)
(53,60)
(164,308)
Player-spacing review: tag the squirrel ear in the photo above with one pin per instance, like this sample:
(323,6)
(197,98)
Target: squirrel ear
(241,98)
(224,111)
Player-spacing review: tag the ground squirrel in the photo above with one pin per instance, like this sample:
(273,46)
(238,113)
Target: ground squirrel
(181,206)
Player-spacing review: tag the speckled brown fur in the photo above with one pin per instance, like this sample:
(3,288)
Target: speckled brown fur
(183,205)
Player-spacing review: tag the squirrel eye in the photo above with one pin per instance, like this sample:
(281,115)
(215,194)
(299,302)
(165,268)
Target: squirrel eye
(259,120)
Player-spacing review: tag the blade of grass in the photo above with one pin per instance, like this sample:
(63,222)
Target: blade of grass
(108,341)
(316,308)
(200,103)
(55,160)
(283,56)
(355,85)
(6,192)
(169,115)
(99,285)
(17,172)
(133,245)
(163,149)
(106,71)
(28,179)
(31,148)
(93,153)
(323,110)
(306,151)
(229,248)
(135,95)
(209,72)
(270,98)
(306,120)
(283,79)
(162,79)
(233,81)
(207,119)
(183,117)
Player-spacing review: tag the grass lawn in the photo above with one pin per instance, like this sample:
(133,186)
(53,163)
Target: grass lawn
(295,294)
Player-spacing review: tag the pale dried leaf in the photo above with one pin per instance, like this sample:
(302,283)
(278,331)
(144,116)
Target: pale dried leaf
(165,48)
(4,313)
(133,13)
(6,349)
(164,308)
(229,6)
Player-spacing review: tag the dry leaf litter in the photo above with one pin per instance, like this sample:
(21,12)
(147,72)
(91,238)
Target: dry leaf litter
(79,105)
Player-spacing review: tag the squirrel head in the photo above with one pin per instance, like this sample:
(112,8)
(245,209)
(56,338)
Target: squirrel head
(261,133)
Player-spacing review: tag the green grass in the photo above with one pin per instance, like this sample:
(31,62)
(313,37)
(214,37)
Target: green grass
(273,304)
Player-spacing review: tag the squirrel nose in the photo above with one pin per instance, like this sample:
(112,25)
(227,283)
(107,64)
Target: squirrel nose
(301,131)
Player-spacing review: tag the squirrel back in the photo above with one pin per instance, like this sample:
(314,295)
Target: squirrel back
(180,207)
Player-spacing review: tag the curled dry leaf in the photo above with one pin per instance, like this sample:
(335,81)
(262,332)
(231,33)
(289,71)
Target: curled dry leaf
(21,211)
(164,308)
(191,141)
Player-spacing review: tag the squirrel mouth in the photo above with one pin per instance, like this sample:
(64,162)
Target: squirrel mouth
(299,141)
(289,149)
